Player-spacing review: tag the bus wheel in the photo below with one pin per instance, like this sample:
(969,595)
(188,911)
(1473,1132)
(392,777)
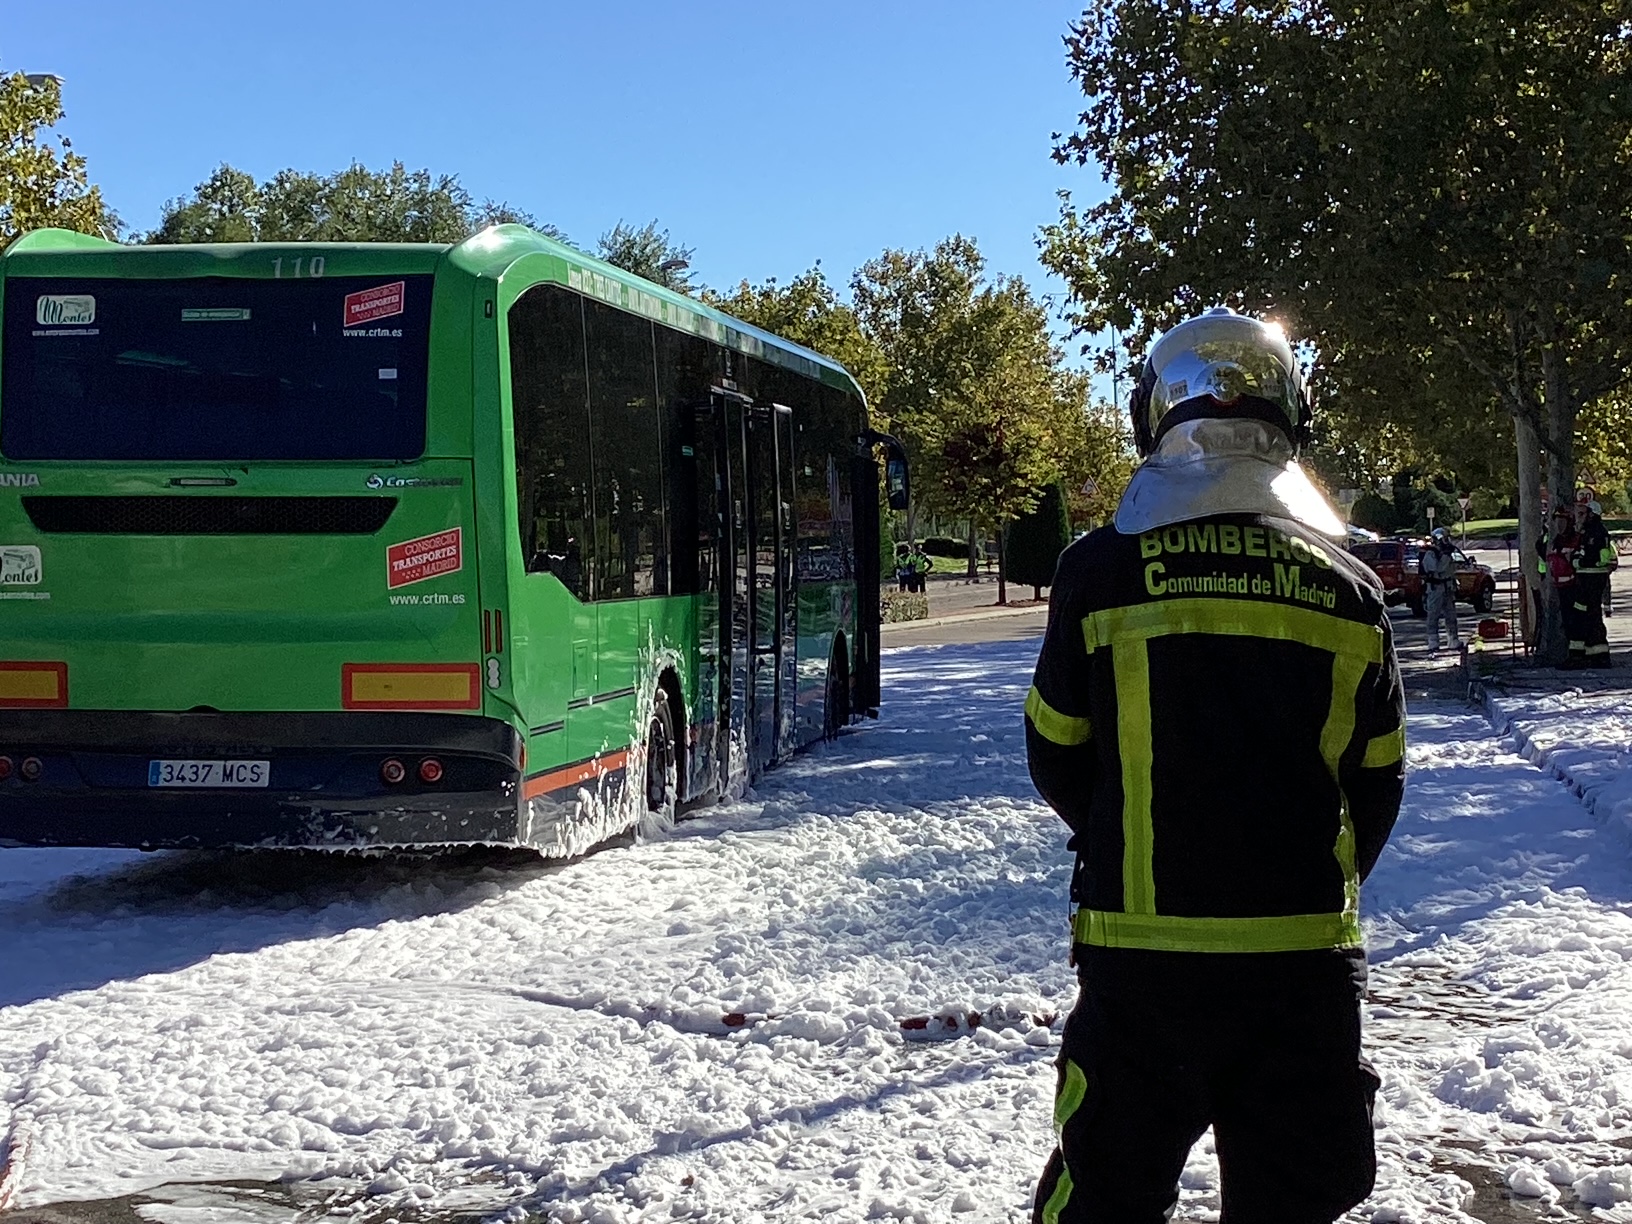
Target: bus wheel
(836,705)
(662,763)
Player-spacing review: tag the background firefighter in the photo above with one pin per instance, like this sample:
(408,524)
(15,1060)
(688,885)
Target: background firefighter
(1438,568)
(1561,549)
(1595,559)
(1217,716)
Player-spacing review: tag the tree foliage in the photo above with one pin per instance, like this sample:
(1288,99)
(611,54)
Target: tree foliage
(1442,187)
(964,369)
(970,367)
(648,252)
(351,205)
(807,310)
(1093,448)
(42,180)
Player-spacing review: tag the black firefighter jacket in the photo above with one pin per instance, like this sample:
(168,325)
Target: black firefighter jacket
(1217,715)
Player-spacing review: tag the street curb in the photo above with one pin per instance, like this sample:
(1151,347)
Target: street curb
(992,614)
(1541,758)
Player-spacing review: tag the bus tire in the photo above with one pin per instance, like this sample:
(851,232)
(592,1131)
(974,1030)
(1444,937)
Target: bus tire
(662,763)
(836,703)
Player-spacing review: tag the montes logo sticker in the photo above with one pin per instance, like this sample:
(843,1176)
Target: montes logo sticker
(427,557)
(64,309)
(19,565)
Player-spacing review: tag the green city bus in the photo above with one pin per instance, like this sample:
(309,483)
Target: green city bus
(399,545)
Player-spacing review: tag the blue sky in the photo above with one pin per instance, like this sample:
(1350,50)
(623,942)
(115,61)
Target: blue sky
(765,135)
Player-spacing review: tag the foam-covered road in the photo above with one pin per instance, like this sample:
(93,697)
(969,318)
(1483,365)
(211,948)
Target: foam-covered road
(766,1015)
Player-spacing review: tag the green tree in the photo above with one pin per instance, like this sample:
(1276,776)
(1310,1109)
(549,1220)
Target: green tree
(1037,538)
(807,310)
(351,205)
(970,382)
(1443,185)
(993,450)
(648,252)
(1093,448)
(42,180)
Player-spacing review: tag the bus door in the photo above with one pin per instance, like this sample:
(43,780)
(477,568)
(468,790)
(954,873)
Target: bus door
(787,620)
(736,587)
(770,560)
(712,713)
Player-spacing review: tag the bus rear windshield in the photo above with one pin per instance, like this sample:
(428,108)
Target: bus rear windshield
(216,368)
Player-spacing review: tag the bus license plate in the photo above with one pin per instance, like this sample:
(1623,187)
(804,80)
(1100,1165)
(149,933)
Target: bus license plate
(208,773)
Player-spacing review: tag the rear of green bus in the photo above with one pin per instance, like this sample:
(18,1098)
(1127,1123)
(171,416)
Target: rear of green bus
(238,570)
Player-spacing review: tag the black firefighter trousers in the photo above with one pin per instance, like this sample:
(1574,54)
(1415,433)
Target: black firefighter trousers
(1263,1047)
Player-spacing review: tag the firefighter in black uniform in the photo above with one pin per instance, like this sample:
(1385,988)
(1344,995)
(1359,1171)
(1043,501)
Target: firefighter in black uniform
(1595,560)
(1217,715)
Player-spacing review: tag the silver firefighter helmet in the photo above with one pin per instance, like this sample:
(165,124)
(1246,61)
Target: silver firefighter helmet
(1219,415)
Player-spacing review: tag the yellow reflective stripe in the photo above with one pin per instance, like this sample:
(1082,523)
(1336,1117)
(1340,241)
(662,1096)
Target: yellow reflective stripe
(1131,665)
(1169,933)
(1072,1094)
(1061,1196)
(1347,673)
(1063,729)
(1235,617)
(1385,749)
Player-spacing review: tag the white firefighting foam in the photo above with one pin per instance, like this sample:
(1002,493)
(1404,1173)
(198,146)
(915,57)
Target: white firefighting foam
(708,1025)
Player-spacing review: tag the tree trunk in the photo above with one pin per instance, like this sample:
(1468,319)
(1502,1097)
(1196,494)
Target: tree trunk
(1002,550)
(1561,411)
(1531,525)
(974,555)
(1036,593)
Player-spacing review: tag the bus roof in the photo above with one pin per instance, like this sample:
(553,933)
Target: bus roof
(489,255)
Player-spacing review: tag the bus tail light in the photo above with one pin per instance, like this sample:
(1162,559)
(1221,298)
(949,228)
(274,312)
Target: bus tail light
(430,771)
(31,769)
(5,768)
(33,685)
(392,771)
(410,686)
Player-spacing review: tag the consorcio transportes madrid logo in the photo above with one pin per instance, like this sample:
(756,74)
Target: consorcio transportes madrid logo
(428,557)
(380,302)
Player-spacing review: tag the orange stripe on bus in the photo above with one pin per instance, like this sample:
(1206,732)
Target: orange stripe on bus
(410,686)
(33,685)
(571,775)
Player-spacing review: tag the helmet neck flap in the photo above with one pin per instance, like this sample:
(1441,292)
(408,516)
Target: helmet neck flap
(1222,465)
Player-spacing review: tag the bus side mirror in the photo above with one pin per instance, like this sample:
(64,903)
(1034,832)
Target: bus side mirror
(897,486)
(897,480)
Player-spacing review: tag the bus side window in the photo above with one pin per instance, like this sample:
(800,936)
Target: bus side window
(688,368)
(549,398)
(630,535)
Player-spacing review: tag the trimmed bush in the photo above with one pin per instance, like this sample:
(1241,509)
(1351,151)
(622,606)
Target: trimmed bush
(946,546)
(1036,541)
(905,606)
